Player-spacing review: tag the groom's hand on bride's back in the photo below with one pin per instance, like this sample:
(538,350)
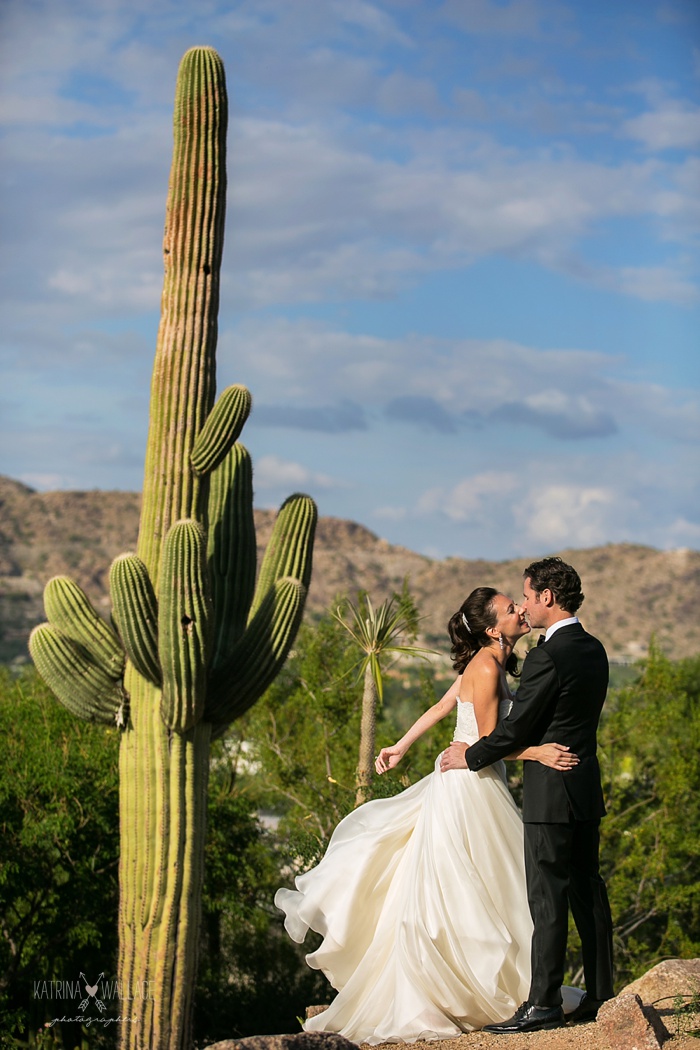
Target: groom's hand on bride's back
(453,757)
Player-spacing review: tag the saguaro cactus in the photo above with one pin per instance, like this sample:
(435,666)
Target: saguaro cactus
(195,641)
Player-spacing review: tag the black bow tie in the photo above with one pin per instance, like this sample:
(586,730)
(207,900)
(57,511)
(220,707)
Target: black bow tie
(541,639)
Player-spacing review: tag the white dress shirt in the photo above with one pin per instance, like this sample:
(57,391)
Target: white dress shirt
(560,623)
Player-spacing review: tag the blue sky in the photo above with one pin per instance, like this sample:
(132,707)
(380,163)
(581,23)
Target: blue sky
(461,266)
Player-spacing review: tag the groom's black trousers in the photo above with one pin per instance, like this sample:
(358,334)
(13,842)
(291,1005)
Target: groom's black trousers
(561,865)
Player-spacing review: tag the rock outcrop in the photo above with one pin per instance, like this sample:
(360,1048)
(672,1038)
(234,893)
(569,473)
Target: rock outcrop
(628,1025)
(667,983)
(298,1041)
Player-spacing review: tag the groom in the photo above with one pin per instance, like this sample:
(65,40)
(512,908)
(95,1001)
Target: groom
(561,694)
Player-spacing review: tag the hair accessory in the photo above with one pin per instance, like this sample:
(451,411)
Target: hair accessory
(465,621)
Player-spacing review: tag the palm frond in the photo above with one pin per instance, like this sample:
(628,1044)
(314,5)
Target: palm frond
(378,632)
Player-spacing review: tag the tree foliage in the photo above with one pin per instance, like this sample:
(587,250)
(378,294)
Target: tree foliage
(58,861)
(650,759)
(294,759)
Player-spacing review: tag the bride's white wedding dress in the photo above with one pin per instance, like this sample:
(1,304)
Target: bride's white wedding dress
(422,906)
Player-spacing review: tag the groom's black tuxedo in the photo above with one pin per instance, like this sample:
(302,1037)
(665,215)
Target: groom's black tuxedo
(561,694)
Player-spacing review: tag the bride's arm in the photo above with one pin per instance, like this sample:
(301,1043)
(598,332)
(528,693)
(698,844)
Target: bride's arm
(389,757)
(557,756)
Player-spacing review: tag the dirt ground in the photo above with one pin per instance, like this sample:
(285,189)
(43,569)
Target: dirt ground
(577,1037)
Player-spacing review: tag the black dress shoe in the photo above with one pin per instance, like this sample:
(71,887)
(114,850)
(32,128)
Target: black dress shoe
(587,1010)
(529,1018)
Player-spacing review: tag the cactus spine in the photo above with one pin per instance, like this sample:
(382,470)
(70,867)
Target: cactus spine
(198,642)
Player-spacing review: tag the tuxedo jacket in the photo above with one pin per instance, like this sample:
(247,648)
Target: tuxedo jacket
(561,694)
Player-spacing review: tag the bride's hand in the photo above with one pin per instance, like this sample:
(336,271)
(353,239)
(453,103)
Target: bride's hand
(388,758)
(556,756)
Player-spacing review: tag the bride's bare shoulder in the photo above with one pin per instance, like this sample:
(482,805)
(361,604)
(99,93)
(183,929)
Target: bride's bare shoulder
(482,665)
(480,678)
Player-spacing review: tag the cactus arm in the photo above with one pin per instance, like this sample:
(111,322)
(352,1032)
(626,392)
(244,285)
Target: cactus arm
(81,685)
(69,609)
(182,389)
(183,625)
(231,550)
(135,613)
(290,549)
(222,429)
(258,656)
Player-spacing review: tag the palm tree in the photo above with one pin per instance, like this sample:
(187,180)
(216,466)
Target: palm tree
(377,633)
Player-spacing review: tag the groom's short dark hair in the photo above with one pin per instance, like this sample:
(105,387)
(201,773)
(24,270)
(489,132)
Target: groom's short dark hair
(558,577)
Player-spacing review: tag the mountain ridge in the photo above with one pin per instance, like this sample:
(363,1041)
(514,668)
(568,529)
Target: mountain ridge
(633,591)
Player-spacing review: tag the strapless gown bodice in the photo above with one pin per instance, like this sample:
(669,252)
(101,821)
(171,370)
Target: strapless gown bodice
(466,728)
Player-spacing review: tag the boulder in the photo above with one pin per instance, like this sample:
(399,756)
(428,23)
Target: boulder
(297,1041)
(664,982)
(628,1025)
(314,1011)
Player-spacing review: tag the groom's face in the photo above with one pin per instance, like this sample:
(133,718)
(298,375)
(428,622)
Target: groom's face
(531,605)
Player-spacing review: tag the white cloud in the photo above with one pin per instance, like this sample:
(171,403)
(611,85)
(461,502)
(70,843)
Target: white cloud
(658,284)
(403,94)
(569,501)
(312,219)
(567,515)
(272,472)
(371,18)
(390,513)
(317,218)
(471,501)
(687,533)
(319,208)
(47,482)
(104,285)
(675,126)
(565,393)
(519,18)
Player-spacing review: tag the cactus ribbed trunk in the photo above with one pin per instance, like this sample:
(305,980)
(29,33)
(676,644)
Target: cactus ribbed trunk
(163,793)
(196,640)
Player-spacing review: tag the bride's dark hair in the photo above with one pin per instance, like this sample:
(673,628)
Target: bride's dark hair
(467,638)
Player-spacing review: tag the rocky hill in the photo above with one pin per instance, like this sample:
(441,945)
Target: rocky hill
(632,591)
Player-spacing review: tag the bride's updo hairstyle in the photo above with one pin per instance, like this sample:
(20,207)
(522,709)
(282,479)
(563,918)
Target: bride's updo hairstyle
(467,638)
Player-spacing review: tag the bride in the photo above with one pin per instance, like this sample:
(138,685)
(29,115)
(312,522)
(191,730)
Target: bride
(420,898)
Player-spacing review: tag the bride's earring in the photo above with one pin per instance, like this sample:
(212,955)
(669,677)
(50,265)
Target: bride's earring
(501,642)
